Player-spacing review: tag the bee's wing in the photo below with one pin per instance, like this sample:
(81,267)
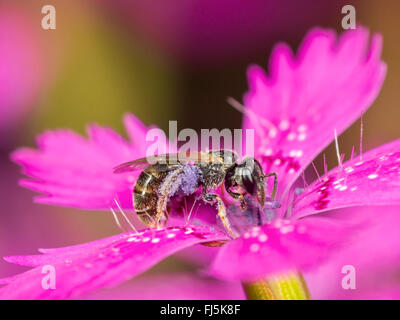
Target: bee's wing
(195,157)
(138,164)
(169,158)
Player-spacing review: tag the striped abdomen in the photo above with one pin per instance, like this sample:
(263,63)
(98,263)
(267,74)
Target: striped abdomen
(157,184)
(145,195)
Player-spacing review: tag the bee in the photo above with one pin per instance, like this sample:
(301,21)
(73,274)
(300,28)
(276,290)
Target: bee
(168,175)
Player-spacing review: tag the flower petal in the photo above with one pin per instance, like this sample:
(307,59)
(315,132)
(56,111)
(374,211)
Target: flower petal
(327,87)
(103,263)
(280,246)
(78,172)
(374,180)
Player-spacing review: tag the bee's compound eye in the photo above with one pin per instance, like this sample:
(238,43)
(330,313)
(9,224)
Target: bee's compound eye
(248,181)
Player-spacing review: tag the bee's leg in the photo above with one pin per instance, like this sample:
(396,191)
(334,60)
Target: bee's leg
(223,192)
(214,198)
(162,202)
(240,197)
(274,174)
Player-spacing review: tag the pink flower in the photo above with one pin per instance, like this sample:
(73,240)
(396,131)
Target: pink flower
(295,111)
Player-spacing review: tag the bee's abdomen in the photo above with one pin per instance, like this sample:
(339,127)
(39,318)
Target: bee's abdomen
(145,195)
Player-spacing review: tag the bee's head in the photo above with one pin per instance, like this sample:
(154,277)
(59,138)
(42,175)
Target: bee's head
(247,176)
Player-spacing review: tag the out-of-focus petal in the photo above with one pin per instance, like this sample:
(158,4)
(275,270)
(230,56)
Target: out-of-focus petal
(172,286)
(103,263)
(374,180)
(327,86)
(78,172)
(280,246)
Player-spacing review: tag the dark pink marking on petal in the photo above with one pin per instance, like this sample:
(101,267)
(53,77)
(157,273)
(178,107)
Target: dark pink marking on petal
(374,180)
(322,201)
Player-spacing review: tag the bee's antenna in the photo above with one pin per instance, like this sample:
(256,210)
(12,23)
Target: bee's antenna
(123,214)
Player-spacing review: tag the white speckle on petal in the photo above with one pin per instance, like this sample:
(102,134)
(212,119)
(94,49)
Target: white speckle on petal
(272,133)
(343,188)
(254,247)
(246,235)
(296,153)
(254,233)
(301,137)
(372,176)
(284,125)
(155,240)
(277,162)
(291,136)
(268,152)
(278,224)
(287,229)
(262,237)
(302,128)
(131,239)
(359,163)
(170,235)
(338,181)
(349,169)
(146,239)
(353,189)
